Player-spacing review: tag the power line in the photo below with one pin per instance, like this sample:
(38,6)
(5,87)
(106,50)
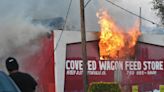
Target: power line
(133,13)
(87,3)
(59,36)
(66,21)
(57,43)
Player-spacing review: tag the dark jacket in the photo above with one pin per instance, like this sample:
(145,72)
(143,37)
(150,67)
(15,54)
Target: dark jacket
(24,81)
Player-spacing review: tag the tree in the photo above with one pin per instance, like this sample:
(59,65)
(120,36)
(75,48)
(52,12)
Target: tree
(159,6)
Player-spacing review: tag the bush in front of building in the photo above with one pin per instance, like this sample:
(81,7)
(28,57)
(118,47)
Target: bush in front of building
(104,87)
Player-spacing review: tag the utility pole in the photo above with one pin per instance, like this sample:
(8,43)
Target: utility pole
(84,50)
(140,20)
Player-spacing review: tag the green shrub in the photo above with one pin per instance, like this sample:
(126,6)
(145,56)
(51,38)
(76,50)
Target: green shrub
(104,87)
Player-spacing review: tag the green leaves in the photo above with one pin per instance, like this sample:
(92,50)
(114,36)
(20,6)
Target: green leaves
(159,5)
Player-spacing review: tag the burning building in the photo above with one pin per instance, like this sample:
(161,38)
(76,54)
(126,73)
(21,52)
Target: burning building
(68,61)
(111,47)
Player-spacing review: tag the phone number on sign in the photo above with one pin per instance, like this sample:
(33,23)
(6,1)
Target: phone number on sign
(141,72)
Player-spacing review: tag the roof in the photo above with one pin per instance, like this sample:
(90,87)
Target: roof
(155,39)
(150,38)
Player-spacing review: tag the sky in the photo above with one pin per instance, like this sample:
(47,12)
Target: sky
(16,29)
(121,17)
(58,8)
(36,9)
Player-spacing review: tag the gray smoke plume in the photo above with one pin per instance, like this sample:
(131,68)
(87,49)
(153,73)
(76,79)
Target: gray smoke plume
(16,28)
(18,35)
(16,32)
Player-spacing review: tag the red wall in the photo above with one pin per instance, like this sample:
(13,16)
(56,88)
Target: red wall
(143,52)
(75,83)
(41,65)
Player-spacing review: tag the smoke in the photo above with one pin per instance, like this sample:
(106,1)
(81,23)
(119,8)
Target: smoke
(42,9)
(18,35)
(16,32)
(16,28)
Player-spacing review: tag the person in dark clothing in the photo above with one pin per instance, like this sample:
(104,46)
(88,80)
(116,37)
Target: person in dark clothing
(24,81)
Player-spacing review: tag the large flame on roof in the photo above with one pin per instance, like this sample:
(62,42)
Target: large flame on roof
(115,42)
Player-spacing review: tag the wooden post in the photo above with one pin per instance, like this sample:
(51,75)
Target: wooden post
(84,50)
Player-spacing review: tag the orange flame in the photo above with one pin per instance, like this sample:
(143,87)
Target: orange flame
(115,42)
